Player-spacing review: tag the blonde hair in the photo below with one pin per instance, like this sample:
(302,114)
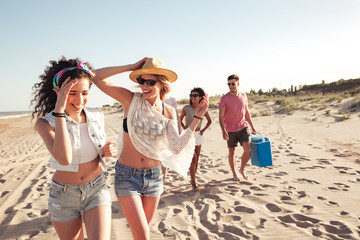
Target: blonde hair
(166,88)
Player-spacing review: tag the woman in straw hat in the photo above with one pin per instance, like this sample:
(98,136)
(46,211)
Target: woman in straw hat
(150,138)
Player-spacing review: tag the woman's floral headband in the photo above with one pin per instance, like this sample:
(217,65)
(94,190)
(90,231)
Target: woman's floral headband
(80,65)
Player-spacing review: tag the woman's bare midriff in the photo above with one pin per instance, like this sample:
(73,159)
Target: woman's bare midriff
(87,172)
(133,158)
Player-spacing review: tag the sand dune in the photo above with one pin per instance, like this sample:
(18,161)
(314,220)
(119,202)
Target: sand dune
(311,191)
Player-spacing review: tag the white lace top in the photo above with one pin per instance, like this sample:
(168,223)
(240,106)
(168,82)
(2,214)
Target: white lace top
(157,137)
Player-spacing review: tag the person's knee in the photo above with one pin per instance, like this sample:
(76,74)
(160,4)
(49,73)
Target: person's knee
(231,151)
(246,147)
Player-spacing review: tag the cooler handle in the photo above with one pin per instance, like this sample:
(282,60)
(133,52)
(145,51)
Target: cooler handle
(258,133)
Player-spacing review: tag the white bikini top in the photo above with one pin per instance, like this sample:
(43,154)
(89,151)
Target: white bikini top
(87,150)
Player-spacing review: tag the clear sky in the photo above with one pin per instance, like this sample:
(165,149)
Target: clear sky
(268,43)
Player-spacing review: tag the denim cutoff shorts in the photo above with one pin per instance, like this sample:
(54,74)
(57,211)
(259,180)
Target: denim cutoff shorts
(67,202)
(144,182)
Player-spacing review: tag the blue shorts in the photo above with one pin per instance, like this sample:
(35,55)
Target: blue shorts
(144,182)
(67,202)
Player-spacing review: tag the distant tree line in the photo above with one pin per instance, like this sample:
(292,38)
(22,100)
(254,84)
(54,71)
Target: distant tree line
(351,85)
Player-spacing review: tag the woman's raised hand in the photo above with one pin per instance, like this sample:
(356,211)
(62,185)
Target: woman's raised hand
(138,64)
(202,107)
(62,93)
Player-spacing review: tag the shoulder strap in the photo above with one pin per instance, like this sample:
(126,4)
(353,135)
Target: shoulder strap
(163,109)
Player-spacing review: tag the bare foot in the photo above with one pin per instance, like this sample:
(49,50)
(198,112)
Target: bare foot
(195,187)
(235,178)
(242,172)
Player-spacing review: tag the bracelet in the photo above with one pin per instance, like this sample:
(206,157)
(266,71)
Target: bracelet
(197,117)
(55,114)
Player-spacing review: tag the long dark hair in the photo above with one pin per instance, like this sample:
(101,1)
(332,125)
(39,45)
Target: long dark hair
(200,91)
(44,95)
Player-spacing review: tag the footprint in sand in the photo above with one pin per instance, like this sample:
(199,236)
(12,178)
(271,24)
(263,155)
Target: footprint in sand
(190,211)
(44,211)
(307,209)
(177,210)
(4,193)
(31,215)
(245,192)
(255,188)
(310,168)
(267,186)
(345,170)
(276,175)
(162,227)
(285,198)
(232,189)
(223,171)
(299,220)
(331,203)
(293,154)
(273,208)
(340,186)
(338,228)
(244,209)
(291,197)
(325,161)
(301,180)
(304,159)
(343,213)
(28,206)
(342,155)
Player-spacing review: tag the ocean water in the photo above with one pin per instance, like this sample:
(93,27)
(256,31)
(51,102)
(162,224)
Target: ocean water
(6,115)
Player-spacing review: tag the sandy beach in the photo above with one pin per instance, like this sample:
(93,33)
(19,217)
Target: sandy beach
(312,191)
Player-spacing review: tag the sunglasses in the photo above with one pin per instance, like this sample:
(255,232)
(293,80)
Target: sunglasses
(149,82)
(194,95)
(231,83)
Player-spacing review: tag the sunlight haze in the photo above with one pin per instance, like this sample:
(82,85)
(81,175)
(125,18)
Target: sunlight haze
(267,43)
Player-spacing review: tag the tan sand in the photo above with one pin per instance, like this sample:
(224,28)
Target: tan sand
(312,191)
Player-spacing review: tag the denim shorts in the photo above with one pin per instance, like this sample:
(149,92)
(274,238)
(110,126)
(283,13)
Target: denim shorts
(67,202)
(241,136)
(133,181)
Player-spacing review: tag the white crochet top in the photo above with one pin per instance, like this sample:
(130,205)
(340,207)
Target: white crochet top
(157,137)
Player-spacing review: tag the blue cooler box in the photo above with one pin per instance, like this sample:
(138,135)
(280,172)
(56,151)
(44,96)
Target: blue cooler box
(261,152)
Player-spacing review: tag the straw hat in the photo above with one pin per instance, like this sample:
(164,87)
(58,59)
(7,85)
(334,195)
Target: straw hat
(154,66)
